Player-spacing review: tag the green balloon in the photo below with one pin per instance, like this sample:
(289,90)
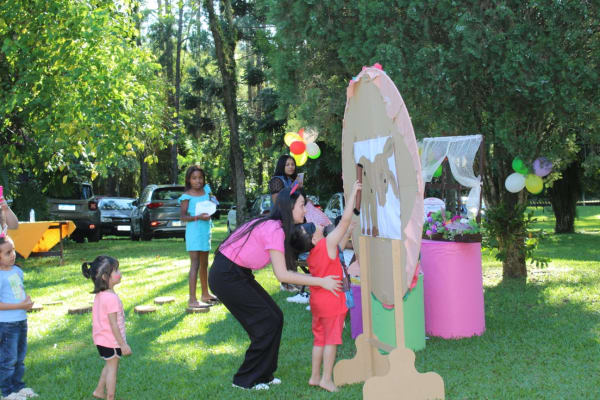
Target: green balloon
(438,172)
(519,166)
(316,155)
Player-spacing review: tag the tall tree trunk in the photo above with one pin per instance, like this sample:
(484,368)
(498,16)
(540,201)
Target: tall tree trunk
(225,37)
(174,166)
(510,235)
(168,66)
(564,195)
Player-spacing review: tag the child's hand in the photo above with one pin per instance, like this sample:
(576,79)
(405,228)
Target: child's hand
(355,188)
(332,283)
(27,304)
(204,217)
(126,350)
(3,204)
(352,226)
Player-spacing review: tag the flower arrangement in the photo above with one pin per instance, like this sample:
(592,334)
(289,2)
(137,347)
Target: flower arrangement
(441,225)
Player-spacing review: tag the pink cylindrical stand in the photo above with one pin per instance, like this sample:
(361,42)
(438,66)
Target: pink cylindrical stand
(453,289)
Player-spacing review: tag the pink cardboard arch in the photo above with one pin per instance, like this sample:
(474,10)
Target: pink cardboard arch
(374,112)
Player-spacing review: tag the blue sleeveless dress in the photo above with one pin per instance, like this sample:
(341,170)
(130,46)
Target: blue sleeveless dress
(197,233)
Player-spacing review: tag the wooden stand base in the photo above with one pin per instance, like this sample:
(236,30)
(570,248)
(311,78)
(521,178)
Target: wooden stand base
(391,374)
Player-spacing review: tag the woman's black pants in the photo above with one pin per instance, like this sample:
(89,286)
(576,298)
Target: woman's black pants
(259,315)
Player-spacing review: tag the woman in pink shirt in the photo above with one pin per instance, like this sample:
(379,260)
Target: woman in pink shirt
(108,321)
(251,247)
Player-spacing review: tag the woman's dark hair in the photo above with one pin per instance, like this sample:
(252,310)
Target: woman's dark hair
(280,167)
(99,271)
(188,175)
(280,211)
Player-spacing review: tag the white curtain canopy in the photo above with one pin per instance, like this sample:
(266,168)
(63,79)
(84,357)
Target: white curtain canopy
(461,151)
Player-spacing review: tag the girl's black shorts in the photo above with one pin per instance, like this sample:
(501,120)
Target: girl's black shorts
(107,353)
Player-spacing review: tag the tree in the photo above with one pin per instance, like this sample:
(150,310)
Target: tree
(521,73)
(225,37)
(74,87)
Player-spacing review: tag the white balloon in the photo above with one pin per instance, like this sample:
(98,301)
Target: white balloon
(515,182)
(312,149)
(310,135)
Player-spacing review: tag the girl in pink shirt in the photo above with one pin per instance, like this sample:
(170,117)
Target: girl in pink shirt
(108,321)
(251,247)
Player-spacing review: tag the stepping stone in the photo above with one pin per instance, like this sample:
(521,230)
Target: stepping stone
(52,303)
(144,309)
(195,310)
(36,307)
(79,309)
(164,300)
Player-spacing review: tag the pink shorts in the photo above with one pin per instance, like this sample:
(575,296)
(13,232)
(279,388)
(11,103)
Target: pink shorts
(328,330)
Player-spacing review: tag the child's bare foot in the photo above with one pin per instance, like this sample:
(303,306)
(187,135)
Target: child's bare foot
(314,381)
(98,395)
(328,385)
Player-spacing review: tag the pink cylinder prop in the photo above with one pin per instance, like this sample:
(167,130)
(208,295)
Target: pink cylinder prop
(453,289)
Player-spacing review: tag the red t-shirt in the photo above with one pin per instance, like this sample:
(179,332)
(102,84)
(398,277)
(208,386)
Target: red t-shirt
(323,303)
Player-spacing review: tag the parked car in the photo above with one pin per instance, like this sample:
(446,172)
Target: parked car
(260,206)
(76,202)
(335,206)
(156,213)
(115,215)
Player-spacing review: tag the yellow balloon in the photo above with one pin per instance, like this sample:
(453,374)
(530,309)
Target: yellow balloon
(291,137)
(534,183)
(301,158)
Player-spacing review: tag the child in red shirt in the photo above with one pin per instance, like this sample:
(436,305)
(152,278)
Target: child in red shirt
(328,309)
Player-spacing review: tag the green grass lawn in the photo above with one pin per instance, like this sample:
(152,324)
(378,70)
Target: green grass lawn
(541,342)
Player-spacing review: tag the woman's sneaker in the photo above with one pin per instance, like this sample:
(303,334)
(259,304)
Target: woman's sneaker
(14,396)
(258,386)
(27,392)
(300,298)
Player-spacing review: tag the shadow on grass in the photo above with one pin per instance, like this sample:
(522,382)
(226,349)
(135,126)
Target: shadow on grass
(534,346)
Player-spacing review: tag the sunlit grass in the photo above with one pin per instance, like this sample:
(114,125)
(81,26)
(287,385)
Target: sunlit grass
(542,337)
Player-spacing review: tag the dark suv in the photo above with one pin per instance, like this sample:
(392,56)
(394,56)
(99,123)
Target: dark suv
(157,214)
(76,202)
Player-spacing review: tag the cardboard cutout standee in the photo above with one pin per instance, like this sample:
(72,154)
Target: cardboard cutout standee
(378,134)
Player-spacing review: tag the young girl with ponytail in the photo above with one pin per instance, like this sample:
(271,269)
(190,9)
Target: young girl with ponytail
(108,321)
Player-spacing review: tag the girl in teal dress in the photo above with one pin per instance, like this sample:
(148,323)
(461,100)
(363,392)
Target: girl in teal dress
(197,234)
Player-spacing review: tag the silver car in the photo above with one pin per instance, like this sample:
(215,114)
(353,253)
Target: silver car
(157,214)
(335,206)
(261,206)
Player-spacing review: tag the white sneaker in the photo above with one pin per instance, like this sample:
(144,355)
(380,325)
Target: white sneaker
(300,298)
(27,392)
(275,381)
(258,386)
(14,396)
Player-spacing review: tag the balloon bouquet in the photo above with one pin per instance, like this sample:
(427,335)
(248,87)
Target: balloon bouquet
(522,178)
(302,145)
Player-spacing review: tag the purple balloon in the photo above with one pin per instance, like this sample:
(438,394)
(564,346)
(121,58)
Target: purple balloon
(542,166)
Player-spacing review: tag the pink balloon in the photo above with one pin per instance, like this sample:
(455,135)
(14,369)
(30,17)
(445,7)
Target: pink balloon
(542,166)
